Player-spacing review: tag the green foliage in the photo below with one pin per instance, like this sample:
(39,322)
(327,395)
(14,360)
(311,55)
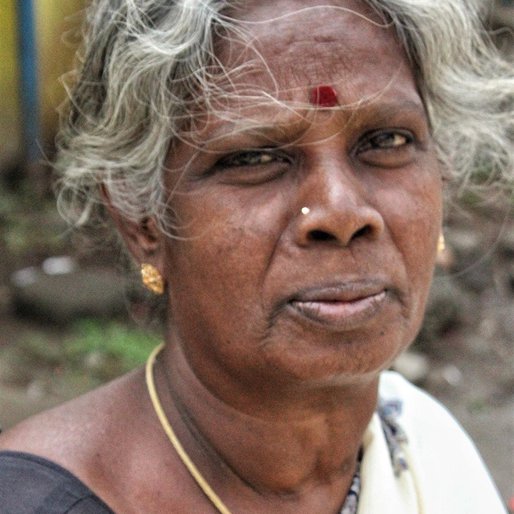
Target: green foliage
(92,352)
(119,346)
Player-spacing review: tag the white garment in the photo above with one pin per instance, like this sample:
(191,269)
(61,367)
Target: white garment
(445,474)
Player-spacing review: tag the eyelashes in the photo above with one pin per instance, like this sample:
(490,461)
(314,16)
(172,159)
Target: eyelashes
(257,157)
(386,140)
(252,167)
(377,140)
(385,148)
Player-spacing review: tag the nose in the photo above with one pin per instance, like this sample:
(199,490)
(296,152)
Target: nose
(333,208)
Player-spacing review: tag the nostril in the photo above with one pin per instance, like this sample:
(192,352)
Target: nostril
(321,235)
(362,232)
(327,236)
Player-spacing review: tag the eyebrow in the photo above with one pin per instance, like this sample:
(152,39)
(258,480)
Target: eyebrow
(395,108)
(276,131)
(296,122)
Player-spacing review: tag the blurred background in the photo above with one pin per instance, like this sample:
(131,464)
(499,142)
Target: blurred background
(71,319)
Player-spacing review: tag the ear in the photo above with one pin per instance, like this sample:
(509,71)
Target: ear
(143,238)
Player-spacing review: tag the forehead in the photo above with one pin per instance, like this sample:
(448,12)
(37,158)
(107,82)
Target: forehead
(288,47)
(294,45)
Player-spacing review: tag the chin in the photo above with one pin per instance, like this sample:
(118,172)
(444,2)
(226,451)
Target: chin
(341,360)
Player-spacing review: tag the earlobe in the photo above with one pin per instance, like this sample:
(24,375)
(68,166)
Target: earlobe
(143,238)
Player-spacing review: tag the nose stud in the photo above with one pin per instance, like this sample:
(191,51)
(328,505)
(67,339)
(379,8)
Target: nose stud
(305,211)
(441,244)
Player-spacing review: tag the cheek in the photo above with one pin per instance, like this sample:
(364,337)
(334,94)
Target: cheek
(412,210)
(416,238)
(220,256)
(414,222)
(228,225)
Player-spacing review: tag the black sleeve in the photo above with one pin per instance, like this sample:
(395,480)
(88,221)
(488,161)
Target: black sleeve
(32,485)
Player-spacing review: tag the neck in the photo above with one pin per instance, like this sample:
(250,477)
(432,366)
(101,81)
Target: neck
(308,448)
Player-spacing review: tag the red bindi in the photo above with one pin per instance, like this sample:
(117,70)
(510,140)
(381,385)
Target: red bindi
(323,96)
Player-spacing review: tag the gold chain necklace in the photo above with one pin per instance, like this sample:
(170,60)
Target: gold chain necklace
(184,457)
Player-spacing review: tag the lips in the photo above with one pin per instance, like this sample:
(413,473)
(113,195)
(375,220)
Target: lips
(340,307)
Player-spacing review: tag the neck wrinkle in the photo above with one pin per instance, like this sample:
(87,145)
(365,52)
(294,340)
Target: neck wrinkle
(284,459)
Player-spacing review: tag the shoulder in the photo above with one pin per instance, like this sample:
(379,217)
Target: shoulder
(445,461)
(29,483)
(81,424)
(111,441)
(91,436)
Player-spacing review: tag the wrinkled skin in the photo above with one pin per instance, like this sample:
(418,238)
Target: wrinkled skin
(305,250)
(369,177)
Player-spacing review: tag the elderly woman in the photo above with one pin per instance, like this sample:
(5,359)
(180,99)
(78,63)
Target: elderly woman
(276,169)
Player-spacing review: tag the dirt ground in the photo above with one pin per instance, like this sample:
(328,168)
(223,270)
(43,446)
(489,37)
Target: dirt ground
(466,344)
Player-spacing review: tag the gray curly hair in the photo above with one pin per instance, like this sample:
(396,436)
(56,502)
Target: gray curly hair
(146,64)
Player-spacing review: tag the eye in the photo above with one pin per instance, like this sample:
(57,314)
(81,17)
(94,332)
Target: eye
(387,148)
(259,157)
(250,167)
(385,140)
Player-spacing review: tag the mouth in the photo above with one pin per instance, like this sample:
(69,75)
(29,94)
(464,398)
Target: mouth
(341,307)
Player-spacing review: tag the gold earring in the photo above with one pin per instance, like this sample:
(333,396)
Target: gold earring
(444,258)
(152,279)
(441,244)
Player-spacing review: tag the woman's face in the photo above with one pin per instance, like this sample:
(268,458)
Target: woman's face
(307,238)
